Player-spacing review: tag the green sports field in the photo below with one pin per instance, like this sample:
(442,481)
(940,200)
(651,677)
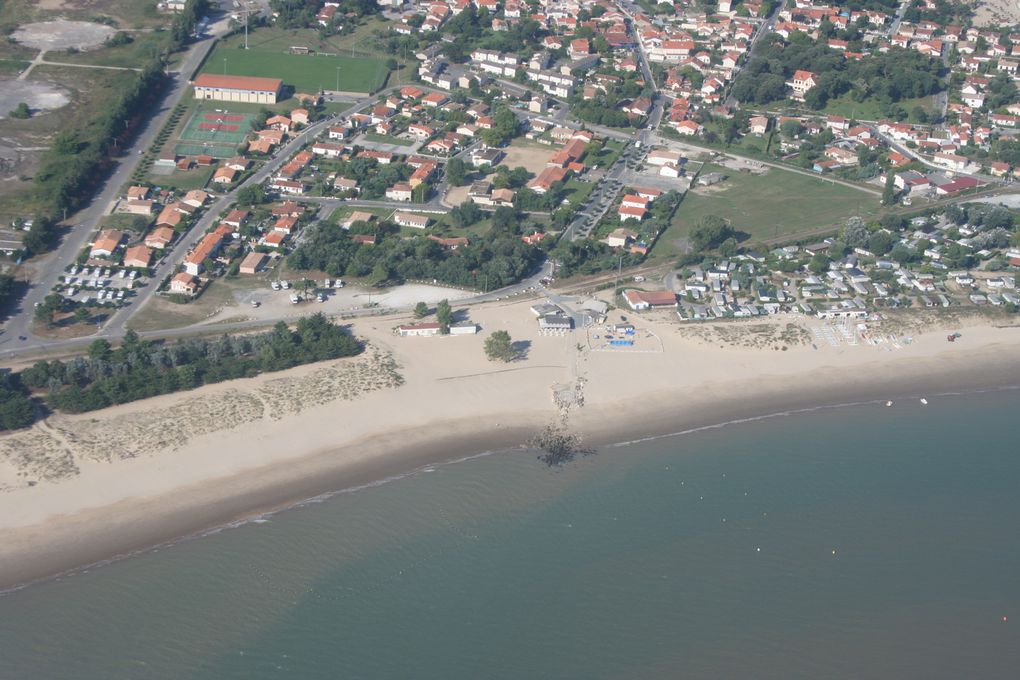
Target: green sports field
(303,72)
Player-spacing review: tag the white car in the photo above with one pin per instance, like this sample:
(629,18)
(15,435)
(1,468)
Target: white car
(122,273)
(285,285)
(132,275)
(275,285)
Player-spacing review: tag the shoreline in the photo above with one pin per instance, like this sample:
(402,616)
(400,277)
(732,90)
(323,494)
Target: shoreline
(132,528)
(141,475)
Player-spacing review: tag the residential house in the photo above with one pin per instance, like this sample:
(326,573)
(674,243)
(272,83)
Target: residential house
(405,219)
(137,256)
(106,243)
(184,284)
(401,191)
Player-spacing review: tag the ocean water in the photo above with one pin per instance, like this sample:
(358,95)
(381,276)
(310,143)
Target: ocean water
(859,542)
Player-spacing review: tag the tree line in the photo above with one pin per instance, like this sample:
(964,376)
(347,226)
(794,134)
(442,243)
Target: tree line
(139,368)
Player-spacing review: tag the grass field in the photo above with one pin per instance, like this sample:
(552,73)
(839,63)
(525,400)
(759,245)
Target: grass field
(870,110)
(304,73)
(778,204)
(196,178)
(12,67)
(142,48)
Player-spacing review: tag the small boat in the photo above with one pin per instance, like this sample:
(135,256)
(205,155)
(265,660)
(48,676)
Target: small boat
(888,403)
(924,401)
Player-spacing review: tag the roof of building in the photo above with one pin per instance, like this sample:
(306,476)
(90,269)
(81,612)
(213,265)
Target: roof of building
(219,82)
(108,240)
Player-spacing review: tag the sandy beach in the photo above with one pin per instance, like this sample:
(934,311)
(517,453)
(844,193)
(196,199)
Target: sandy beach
(75,490)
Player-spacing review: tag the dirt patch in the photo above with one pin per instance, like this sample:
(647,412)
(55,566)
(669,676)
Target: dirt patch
(996,13)
(38,96)
(52,5)
(531,157)
(62,34)
(456,196)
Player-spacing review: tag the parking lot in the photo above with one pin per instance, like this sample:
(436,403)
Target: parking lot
(99,285)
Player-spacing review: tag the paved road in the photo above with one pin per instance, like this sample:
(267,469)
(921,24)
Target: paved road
(84,223)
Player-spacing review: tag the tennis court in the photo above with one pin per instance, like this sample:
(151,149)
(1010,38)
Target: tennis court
(213,127)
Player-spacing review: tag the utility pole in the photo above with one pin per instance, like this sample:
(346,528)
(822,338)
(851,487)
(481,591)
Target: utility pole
(224,66)
(337,78)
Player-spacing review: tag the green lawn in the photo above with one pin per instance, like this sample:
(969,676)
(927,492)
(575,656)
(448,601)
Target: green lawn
(775,205)
(268,56)
(196,178)
(577,191)
(607,156)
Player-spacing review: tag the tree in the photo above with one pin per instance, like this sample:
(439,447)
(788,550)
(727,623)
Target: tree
(444,315)
(391,64)
(39,236)
(456,172)
(21,111)
(500,347)
(421,310)
(901,253)
(710,231)
(380,274)
(880,243)
(466,214)
(254,194)
(855,233)
(728,248)
(81,314)
(100,350)
(889,192)
(819,263)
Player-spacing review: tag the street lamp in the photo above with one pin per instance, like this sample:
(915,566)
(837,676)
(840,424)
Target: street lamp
(224,66)
(337,78)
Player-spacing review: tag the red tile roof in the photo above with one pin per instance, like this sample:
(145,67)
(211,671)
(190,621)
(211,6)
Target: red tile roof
(212,80)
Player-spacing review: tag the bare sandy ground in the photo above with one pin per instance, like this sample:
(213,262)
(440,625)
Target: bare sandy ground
(532,156)
(61,34)
(38,96)
(77,489)
(996,13)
